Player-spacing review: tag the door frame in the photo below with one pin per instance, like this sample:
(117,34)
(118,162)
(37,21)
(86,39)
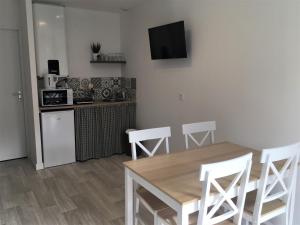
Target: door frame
(22,82)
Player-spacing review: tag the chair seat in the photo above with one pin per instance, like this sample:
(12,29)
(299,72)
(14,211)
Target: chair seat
(153,202)
(169,215)
(267,208)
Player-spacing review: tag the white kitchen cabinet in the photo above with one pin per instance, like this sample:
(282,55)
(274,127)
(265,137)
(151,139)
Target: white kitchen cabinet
(50,37)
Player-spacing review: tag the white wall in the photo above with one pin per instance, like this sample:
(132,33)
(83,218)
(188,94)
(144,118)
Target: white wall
(32,121)
(83,28)
(243,69)
(9,14)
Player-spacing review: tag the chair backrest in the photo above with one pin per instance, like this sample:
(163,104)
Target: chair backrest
(213,196)
(192,128)
(135,138)
(278,178)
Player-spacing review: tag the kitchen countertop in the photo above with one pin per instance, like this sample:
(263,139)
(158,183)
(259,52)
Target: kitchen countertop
(96,103)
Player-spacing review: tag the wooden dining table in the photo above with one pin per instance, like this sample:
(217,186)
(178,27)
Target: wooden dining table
(174,178)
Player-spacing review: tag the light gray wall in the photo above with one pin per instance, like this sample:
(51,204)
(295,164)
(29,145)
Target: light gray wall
(10,14)
(87,26)
(32,121)
(242,71)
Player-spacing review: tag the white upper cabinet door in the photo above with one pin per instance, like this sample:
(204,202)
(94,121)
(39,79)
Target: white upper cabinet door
(50,37)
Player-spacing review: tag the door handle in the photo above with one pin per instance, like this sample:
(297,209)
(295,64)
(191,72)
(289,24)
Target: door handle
(19,95)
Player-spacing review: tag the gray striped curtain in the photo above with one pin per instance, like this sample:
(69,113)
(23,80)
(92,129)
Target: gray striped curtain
(100,130)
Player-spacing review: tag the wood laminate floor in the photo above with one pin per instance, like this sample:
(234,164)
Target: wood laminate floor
(89,193)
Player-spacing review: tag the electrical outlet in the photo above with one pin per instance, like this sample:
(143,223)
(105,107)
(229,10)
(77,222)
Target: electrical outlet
(181,97)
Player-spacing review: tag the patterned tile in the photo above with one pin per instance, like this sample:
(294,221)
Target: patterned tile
(106,82)
(104,87)
(75,94)
(127,83)
(98,94)
(133,83)
(106,93)
(116,82)
(96,82)
(85,83)
(81,94)
(123,82)
(88,93)
(74,83)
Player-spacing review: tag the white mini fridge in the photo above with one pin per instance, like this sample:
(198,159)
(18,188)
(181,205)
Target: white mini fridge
(58,138)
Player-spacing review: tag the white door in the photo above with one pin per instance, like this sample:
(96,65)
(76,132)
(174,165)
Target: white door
(12,132)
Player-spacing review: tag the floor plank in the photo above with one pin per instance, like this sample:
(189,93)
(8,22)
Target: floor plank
(89,193)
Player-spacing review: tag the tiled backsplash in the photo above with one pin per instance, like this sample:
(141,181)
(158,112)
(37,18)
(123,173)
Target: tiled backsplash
(103,87)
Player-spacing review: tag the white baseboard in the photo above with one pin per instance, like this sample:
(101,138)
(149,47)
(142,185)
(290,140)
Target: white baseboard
(39,166)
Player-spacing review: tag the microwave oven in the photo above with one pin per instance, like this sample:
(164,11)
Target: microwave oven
(56,97)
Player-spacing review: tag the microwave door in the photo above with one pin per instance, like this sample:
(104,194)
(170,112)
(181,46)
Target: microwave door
(53,98)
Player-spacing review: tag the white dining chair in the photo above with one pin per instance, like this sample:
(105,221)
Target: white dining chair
(150,202)
(214,194)
(189,129)
(276,193)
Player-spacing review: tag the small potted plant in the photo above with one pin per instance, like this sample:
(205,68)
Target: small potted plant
(95,47)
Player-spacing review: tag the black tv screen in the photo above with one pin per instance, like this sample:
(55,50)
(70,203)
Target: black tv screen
(168,41)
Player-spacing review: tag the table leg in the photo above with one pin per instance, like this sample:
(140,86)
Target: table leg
(129,210)
(183,217)
(292,204)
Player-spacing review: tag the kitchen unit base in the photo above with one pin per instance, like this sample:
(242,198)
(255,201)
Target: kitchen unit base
(100,130)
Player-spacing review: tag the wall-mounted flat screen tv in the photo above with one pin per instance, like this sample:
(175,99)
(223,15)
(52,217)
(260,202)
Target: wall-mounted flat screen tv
(168,41)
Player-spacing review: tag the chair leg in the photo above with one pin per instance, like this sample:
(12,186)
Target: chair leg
(141,222)
(268,223)
(157,220)
(137,208)
(287,217)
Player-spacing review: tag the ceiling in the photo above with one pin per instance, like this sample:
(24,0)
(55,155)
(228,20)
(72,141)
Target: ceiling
(109,5)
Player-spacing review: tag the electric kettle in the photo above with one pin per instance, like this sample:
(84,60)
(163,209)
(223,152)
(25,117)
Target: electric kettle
(50,81)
